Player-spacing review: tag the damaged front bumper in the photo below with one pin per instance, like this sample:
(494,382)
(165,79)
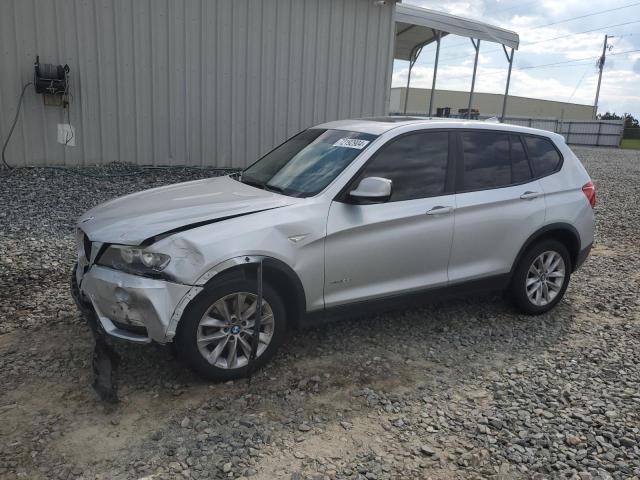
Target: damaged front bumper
(130,307)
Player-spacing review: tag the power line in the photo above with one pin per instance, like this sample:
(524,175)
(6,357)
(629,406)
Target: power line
(583,16)
(564,64)
(531,67)
(565,20)
(577,33)
(550,39)
(573,61)
(625,52)
(586,70)
(577,60)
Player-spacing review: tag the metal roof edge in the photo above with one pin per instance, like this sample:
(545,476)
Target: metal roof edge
(456,25)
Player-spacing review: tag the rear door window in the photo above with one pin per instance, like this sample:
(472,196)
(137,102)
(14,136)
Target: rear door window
(486,162)
(544,157)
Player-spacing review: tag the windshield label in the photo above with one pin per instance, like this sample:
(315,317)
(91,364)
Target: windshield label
(351,143)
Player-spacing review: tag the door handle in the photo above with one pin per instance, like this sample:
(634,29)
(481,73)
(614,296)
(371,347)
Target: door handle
(439,210)
(529,195)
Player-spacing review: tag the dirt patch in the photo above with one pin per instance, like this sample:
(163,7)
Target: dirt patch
(332,449)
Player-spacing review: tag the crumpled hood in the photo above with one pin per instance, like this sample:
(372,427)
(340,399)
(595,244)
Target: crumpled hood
(131,219)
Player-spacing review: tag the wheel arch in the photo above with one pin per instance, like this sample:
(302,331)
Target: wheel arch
(562,232)
(287,283)
(276,272)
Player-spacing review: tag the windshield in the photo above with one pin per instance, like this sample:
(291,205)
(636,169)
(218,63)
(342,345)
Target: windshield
(305,164)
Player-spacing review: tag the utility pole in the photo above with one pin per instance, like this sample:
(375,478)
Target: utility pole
(601,61)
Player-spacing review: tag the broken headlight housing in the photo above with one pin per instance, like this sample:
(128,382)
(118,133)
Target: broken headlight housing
(134,260)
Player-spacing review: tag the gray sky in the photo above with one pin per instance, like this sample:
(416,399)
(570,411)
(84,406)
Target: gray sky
(574,81)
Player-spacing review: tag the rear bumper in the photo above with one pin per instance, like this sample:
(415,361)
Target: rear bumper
(125,306)
(582,256)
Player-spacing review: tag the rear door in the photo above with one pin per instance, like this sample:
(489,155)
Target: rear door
(402,244)
(499,204)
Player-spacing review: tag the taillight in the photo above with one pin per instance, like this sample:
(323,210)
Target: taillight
(589,190)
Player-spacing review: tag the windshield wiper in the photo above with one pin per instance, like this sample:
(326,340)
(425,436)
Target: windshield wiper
(272,188)
(263,186)
(253,183)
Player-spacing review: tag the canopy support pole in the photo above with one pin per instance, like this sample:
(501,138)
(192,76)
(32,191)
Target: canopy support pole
(473,78)
(438,35)
(415,53)
(506,91)
(406,91)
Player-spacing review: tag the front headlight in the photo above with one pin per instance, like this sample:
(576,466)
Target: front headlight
(134,260)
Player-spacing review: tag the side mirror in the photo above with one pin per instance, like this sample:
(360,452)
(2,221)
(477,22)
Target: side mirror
(374,189)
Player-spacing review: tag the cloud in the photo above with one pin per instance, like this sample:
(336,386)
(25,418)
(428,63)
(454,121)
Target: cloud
(574,81)
(466,8)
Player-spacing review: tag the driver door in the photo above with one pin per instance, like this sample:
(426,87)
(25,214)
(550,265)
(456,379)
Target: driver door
(401,244)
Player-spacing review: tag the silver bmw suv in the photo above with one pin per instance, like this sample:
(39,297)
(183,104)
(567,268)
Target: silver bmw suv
(342,217)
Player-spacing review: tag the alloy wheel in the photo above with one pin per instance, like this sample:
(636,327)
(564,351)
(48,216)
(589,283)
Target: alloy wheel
(226,329)
(545,278)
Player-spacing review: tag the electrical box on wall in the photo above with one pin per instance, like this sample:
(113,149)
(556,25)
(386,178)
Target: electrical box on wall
(66,135)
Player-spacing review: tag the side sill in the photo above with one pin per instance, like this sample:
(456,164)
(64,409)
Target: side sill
(403,301)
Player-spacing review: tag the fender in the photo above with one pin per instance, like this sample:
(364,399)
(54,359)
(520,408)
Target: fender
(546,230)
(273,268)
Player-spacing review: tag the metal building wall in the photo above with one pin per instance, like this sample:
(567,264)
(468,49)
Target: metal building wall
(196,82)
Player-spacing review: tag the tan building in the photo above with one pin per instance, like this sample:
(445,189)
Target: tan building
(488,104)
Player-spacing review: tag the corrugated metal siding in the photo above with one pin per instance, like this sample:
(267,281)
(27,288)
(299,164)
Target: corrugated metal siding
(196,82)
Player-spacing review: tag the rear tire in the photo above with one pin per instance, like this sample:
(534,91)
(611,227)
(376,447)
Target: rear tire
(213,339)
(541,277)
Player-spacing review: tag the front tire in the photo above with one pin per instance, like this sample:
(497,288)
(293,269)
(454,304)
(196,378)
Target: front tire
(541,277)
(215,332)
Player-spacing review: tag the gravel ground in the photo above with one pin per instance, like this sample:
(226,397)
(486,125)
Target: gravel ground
(466,389)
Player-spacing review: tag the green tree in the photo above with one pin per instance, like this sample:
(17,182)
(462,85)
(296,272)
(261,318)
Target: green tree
(629,120)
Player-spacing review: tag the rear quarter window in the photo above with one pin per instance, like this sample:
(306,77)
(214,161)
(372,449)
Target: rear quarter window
(543,155)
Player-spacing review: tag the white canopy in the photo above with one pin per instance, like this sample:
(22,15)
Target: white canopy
(417,27)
